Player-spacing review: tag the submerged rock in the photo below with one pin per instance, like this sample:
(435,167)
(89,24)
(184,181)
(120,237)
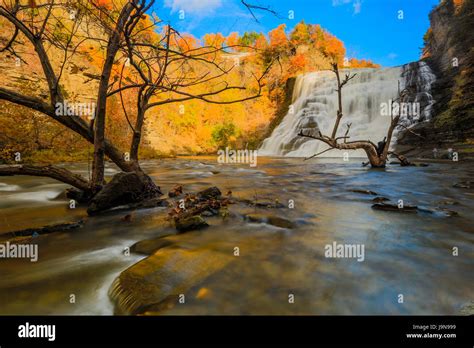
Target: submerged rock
(122,190)
(280,222)
(440,211)
(394,207)
(271,220)
(448,202)
(263,204)
(447,212)
(153,284)
(47,229)
(380,199)
(145,204)
(150,246)
(209,213)
(190,223)
(464,184)
(365,192)
(128,218)
(467,309)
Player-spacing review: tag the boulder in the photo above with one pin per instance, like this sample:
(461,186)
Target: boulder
(123,189)
(79,196)
(190,223)
(210,193)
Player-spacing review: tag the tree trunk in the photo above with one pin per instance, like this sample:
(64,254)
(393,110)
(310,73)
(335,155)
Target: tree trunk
(57,173)
(375,160)
(339,103)
(137,134)
(98,165)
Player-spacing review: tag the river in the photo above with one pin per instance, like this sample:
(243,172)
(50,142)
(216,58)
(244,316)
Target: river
(405,253)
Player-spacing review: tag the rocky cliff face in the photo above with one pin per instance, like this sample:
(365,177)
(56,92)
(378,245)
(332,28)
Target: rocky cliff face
(449,51)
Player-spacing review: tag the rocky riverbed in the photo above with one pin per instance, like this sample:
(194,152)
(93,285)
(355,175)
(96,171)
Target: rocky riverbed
(255,254)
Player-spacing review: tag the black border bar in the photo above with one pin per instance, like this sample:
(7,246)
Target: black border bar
(192,330)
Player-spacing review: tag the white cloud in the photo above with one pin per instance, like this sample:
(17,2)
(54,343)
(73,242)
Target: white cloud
(340,2)
(392,55)
(356,4)
(201,7)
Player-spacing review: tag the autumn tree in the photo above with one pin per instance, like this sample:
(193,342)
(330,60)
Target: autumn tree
(278,39)
(300,35)
(232,40)
(248,39)
(214,40)
(261,42)
(333,48)
(317,34)
(161,73)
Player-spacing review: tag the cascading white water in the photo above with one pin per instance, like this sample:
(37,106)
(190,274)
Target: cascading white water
(314,107)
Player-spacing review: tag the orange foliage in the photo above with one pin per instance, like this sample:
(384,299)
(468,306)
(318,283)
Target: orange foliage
(106,4)
(333,47)
(278,39)
(261,43)
(300,34)
(214,40)
(316,34)
(232,39)
(185,42)
(297,64)
(362,63)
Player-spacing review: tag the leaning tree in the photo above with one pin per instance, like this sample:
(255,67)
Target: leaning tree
(141,54)
(376,154)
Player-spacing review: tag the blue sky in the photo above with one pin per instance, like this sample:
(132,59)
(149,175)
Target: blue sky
(369,28)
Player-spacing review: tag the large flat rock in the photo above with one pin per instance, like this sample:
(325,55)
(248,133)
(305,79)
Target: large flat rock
(167,273)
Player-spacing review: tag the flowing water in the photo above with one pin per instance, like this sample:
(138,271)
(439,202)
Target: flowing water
(315,104)
(409,254)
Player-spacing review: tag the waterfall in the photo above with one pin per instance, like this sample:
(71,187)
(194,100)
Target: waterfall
(314,107)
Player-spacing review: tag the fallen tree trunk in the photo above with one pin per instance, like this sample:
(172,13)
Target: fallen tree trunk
(49,171)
